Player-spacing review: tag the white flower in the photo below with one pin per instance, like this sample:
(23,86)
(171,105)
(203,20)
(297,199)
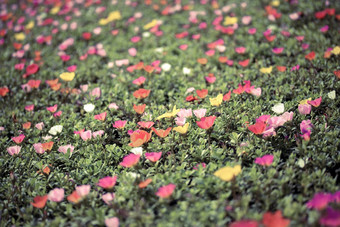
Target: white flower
(137,151)
(146,34)
(278,108)
(159,50)
(166,67)
(132,175)
(186,71)
(55,130)
(89,107)
(331,94)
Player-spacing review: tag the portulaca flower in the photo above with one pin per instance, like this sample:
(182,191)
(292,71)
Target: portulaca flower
(186,71)
(137,151)
(89,107)
(55,130)
(166,67)
(278,108)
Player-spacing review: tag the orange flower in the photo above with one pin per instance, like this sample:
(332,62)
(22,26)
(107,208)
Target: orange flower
(56,87)
(140,65)
(74,197)
(139,109)
(202,93)
(140,137)
(145,183)
(337,73)
(17,46)
(162,133)
(47,146)
(310,56)
(223,59)
(202,61)
(47,170)
(281,68)
(141,93)
(39,201)
(52,82)
(149,68)
(26,125)
(327,54)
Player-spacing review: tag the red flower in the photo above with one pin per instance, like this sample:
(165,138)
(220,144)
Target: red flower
(258,128)
(149,68)
(166,191)
(226,97)
(141,93)
(101,116)
(206,122)
(244,223)
(202,93)
(39,201)
(274,220)
(337,73)
(87,35)
(281,68)
(162,133)
(321,14)
(239,90)
(310,56)
(31,69)
(34,83)
(244,63)
(130,160)
(3,91)
(191,98)
(74,197)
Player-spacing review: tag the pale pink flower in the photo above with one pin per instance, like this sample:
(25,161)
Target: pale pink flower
(14,150)
(96,92)
(64,149)
(276,121)
(199,113)
(256,92)
(38,148)
(132,52)
(39,125)
(86,135)
(56,195)
(108,197)
(288,116)
(184,113)
(112,222)
(83,190)
(246,20)
(269,131)
(113,106)
(84,87)
(98,133)
(180,121)
(305,109)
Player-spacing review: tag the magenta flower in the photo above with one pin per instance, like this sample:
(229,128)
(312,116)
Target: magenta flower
(56,195)
(130,160)
(263,119)
(265,160)
(153,156)
(166,191)
(198,165)
(14,150)
(319,201)
(119,124)
(306,126)
(107,182)
(331,218)
(336,197)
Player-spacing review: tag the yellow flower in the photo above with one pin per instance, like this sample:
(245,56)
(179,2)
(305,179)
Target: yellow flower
(217,100)
(336,50)
(266,70)
(55,10)
(182,129)
(115,15)
(275,3)
(228,173)
(230,20)
(67,76)
(305,101)
(30,25)
(170,114)
(19,36)
(150,25)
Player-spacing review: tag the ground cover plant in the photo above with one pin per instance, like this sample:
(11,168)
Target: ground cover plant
(169,113)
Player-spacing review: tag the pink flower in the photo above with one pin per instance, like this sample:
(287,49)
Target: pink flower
(315,102)
(251,31)
(18,139)
(86,135)
(240,50)
(199,113)
(265,160)
(64,149)
(29,107)
(119,124)
(244,223)
(269,131)
(97,133)
(180,121)
(40,125)
(72,68)
(135,39)
(107,182)
(139,81)
(84,87)
(83,190)
(166,191)
(38,148)
(277,50)
(288,116)
(108,197)
(112,222)
(263,119)
(305,109)
(14,150)
(96,92)
(57,114)
(184,113)
(52,109)
(101,116)
(319,201)
(276,121)
(246,20)
(56,195)
(210,79)
(331,218)
(256,92)
(200,164)
(130,160)
(132,51)
(153,156)
(306,126)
